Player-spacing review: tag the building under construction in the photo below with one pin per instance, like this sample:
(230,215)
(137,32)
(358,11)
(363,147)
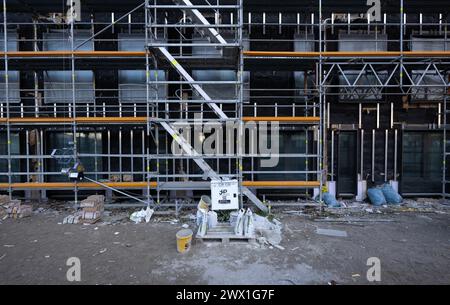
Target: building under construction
(356,91)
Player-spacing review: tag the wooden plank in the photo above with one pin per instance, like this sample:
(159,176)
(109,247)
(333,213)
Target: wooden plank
(224,233)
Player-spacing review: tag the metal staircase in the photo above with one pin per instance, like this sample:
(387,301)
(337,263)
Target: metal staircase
(212,35)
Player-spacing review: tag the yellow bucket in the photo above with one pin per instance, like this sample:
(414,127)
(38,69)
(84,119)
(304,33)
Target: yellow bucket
(184,238)
(204,203)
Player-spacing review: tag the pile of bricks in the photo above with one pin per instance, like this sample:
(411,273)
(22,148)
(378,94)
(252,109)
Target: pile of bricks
(14,208)
(91,210)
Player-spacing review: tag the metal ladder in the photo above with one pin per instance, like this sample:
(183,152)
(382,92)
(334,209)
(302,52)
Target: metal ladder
(171,129)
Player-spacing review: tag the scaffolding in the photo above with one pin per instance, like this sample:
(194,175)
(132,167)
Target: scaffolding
(195,59)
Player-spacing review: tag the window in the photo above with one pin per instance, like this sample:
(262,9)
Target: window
(88,143)
(58,84)
(15,150)
(13,76)
(132,87)
(422,162)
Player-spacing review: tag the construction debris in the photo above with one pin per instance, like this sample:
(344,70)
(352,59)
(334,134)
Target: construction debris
(140,216)
(270,230)
(14,208)
(91,211)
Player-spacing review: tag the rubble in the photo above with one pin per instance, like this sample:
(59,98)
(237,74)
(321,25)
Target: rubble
(142,215)
(91,211)
(14,208)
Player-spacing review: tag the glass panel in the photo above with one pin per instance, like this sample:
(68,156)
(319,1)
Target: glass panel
(15,163)
(422,162)
(217,91)
(412,155)
(362,42)
(132,88)
(13,87)
(347,163)
(88,143)
(290,143)
(58,84)
(58,87)
(12,41)
(60,41)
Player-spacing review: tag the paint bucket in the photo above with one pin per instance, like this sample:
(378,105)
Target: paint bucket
(184,239)
(205,203)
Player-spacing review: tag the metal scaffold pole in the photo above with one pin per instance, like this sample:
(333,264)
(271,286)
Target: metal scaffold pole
(147,105)
(321,133)
(240,103)
(74,108)
(8,127)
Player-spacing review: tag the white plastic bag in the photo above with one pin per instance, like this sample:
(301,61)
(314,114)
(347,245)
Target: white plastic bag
(141,215)
(204,223)
(212,219)
(198,218)
(239,227)
(249,227)
(148,214)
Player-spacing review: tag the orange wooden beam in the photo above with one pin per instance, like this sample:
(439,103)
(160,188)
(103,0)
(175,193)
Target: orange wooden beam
(77,120)
(143,184)
(62,185)
(347,54)
(50,120)
(18,54)
(311,119)
(281,183)
(75,53)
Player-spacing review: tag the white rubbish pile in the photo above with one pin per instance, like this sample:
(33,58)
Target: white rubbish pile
(143,214)
(13,208)
(91,210)
(266,231)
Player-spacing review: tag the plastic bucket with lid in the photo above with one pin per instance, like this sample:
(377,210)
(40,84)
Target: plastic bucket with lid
(184,239)
(204,203)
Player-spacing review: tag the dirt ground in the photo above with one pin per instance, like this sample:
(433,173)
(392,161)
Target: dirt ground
(412,244)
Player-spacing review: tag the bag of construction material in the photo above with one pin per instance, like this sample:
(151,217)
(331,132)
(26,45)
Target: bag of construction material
(199,217)
(233,218)
(249,226)
(239,227)
(392,197)
(142,215)
(203,224)
(376,196)
(212,219)
(330,200)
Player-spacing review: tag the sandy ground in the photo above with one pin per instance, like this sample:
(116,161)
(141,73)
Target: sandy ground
(414,248)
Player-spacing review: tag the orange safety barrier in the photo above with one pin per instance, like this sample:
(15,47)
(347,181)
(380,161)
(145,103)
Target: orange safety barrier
(75,53)
(311,119)
(347,54)
(18,54)
(77,120)
(143,184)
